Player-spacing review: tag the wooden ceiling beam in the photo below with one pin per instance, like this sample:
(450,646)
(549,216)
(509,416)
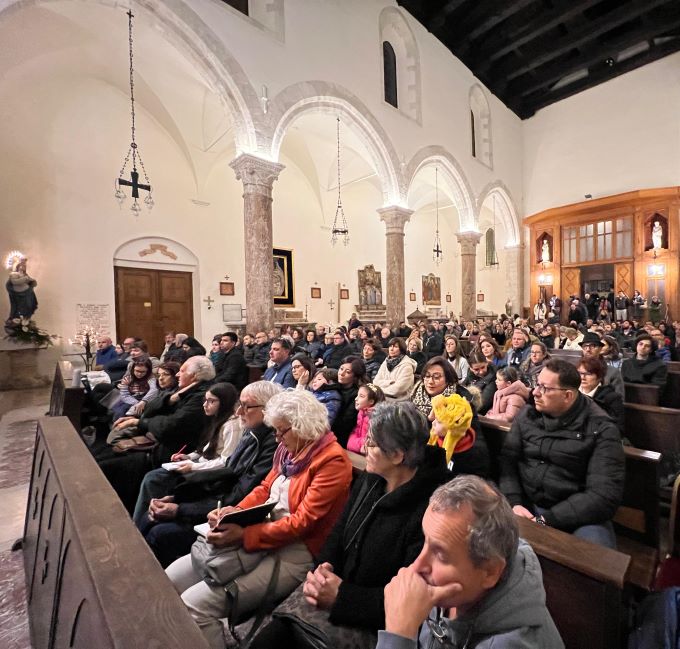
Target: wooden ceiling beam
(513,40)
(439,17)
(602,25)
(597,54)
(528,107)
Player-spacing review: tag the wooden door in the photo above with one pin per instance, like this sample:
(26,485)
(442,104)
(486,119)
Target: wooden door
(571,285)
(623,279)
(150,302)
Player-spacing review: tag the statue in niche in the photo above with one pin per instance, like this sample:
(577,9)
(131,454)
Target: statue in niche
(508,307)
(370,287)
(22,300)
(657,236)
(545,251)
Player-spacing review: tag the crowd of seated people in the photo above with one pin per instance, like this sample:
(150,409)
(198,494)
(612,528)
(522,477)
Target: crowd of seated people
(408,399)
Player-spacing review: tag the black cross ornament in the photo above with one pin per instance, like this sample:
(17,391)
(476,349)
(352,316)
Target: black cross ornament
(135,184)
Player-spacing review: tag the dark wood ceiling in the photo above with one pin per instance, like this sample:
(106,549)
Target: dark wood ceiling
(532,53)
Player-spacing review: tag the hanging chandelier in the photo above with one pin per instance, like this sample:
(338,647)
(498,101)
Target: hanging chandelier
(133,151)
(437,252)
(340,228)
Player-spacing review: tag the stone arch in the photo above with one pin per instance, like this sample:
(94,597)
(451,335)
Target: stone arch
(395,29)
(185,31)
(480,124)
(318,96)
(454,178)
(506,210)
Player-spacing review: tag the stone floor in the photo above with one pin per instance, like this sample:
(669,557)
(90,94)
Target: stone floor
(18,413)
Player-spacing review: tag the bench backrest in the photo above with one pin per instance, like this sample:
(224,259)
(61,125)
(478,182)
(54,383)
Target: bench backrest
(584,586)
(670,397)
(572,355)
(646,395)
(91,580)
(653,428)
(66,399)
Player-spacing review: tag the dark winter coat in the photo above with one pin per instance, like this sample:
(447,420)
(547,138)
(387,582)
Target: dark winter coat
(373,364)
(336,355)
(653,371)
(347,414)
(375,536)
(329,395)
(612,403)
(232,368)
(486,386)
(175,424)
(572,466)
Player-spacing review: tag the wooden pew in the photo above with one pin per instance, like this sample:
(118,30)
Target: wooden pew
(653,428)
(358,462)
(91,580)
(674,366)
(584,585)
(570,355)
(670,396)
(66,399)
(642,393)
(494,432)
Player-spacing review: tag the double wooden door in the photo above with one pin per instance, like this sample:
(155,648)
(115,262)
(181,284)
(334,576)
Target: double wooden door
(151,302)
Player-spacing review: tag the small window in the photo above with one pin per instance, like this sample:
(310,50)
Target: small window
(473,135)
(239,5)
(390,73)
(491,248)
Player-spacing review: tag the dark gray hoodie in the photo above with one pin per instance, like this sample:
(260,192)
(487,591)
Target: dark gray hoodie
(513,615)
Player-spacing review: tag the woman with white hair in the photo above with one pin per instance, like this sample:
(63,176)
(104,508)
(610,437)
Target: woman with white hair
(238,567)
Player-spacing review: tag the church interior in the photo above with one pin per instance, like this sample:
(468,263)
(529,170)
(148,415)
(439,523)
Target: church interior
(246,166)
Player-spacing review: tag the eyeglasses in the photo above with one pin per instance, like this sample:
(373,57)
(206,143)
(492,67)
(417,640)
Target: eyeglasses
(433,377)
(584,374)
(296,367)
(246,406)
(542,389)
(369,442)
(282,432)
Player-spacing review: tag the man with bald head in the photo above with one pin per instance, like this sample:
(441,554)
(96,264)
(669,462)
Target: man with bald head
(106,352)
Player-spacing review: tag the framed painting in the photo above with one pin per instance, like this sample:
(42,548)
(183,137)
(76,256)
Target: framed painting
(432,290)
(226,288)
(344,294)
(284,289)
(448,297)
(480,297)
(316,292)
(412,297)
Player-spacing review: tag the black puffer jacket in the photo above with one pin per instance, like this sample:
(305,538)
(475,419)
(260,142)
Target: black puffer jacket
(377,534)
(573,466)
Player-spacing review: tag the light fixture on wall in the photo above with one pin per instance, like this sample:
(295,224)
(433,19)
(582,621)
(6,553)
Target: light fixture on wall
(545,279)
(437,252)
(133,151)
(340,228)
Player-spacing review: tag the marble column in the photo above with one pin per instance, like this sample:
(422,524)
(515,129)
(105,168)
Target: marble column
(258,176)
(514,283)
(395,219)
(468,256)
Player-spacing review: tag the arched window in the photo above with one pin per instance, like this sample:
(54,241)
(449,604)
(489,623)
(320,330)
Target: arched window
(473,134)
(390,73)
(480,126)
(491,248)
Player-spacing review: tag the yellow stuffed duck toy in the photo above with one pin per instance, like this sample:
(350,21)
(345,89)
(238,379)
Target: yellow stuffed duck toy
(451,426)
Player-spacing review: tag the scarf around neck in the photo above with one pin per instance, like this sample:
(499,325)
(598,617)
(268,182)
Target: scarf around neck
(393,362)
(290,466)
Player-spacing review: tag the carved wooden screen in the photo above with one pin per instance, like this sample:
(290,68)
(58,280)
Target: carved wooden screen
(623,279)
(571,285)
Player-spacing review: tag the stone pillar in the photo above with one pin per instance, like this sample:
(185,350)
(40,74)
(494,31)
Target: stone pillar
(514,282)
(395,219)
(258,177)
(468,256)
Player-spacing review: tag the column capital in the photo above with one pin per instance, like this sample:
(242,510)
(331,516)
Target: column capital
(468,241)
(258,175)
(395,218)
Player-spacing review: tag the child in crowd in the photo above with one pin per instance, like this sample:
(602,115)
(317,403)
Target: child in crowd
(136,389)
(324,387)
(365,401)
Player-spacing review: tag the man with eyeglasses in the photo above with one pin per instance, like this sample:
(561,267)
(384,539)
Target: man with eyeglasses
(562,462)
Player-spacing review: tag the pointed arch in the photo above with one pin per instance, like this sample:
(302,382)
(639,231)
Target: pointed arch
(506,209)
(321,97)
(454,178)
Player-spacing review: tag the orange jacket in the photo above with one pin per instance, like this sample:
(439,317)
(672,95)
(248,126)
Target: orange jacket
(316,497)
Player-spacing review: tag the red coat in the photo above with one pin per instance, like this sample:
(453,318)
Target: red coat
(316,498)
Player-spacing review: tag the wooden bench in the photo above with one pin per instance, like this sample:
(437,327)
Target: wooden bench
(670,397)
(66,399)
(358,462)
(91,580)
(573,356)
(653,428)
(494,432)
(584,586)
(642,393)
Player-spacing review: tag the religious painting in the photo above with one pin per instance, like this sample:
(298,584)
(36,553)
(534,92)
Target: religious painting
(432,290)
(412,297)
(480,297)
(226,288)
(316,293)
(448,297)
(283,288)
(370,287)
(344,294)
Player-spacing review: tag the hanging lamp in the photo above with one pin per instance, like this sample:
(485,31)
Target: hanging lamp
(133,151)
(437,252)
(340,228)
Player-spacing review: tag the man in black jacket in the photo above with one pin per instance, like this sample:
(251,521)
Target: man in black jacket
(645,367)
(231,368)
(562,462)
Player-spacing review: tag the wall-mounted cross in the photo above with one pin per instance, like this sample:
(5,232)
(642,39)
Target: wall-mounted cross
(209,302)
(331,304)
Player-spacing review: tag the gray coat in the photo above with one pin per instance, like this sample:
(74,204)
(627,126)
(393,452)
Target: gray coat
(511,615)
